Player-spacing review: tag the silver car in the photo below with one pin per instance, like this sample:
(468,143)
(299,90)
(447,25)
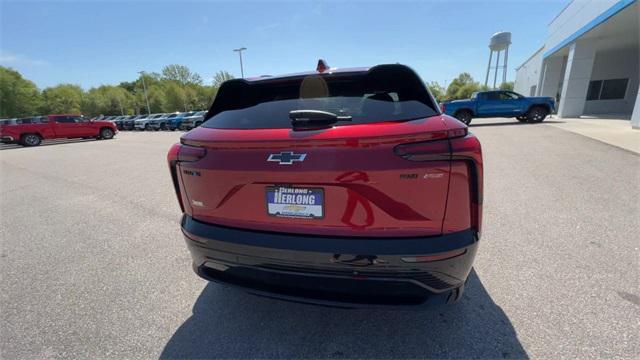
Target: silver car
(149,123)
(193,121)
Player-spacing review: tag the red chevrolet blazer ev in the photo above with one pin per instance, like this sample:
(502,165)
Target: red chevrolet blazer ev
(343,187)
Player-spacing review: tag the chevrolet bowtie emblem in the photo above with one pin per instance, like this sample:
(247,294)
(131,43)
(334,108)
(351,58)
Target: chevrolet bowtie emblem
(286,157)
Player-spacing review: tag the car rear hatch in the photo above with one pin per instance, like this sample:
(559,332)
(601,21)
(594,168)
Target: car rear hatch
(248,168)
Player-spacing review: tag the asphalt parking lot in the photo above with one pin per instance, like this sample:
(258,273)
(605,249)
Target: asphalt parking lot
(94,266)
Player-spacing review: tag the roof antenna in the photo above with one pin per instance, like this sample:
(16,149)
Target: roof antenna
(322,66)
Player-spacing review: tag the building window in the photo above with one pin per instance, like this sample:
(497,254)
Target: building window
(611,89)
(594,90)
(614,89)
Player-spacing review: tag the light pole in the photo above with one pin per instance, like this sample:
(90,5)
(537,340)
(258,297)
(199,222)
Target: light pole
(144,87)
(239,51)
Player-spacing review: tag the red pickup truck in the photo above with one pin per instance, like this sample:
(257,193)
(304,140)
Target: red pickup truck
(31,131)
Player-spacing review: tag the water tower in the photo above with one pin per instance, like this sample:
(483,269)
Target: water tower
(499,42)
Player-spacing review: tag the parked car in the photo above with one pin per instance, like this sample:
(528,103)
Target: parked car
(129,124)
(500,104)
(119,122)
(174,121)
(150,122)
(113,119)
(193,121)
(344,187)
(8,121)
(31,131)
(161,122)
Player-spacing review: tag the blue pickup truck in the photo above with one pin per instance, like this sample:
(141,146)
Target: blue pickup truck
(501,103)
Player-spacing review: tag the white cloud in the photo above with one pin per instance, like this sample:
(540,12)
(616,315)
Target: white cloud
(7,58)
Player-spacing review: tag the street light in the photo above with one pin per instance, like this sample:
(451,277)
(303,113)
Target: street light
(239,51)
(145,92)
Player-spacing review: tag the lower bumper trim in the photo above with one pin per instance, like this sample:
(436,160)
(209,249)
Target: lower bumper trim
(332,270)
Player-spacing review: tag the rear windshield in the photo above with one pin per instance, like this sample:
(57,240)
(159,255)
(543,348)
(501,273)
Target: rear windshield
(384,93)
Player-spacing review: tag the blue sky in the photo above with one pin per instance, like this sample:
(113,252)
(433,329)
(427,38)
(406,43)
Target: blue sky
(94,43)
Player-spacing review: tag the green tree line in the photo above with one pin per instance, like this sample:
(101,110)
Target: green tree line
(175,88)
(461,88)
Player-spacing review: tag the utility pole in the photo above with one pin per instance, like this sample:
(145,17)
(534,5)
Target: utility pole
(144,87)
(239,51)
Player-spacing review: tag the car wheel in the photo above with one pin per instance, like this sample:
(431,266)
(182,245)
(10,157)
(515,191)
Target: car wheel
(163,126)
(465,116)
(147,127)
(521,118)
(106,133)
(537,114)
(30,140)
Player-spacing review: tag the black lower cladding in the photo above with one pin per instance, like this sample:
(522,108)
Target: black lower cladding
(327,269)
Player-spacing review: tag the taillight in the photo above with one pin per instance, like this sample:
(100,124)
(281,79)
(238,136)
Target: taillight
(188,153)
(469,151)
(437,149)
(179,153)
(465,153)
(424,151)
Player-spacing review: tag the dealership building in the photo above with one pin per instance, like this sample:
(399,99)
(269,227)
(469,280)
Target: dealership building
(590,61)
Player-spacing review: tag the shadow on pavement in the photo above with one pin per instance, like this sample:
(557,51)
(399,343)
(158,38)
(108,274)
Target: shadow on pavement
(228,323)
(514,123)
(45,143)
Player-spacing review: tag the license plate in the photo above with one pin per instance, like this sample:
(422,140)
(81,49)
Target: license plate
(295,202)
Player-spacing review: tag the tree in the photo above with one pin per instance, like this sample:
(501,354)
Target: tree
(157,98)
(107,99)
(63,99)
(507,86)
(462,87)
(18,96)
(220,77)
(180,74)
(436,90)
(175,97)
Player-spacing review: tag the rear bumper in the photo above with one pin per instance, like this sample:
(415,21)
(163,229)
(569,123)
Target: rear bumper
(337,271)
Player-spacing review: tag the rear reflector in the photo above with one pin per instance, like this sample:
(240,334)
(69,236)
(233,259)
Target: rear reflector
(435,257)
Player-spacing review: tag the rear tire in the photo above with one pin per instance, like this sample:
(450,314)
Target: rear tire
(147,127)
(163,126)
(465,116)
(30,140)
(537,114)
(106,133)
